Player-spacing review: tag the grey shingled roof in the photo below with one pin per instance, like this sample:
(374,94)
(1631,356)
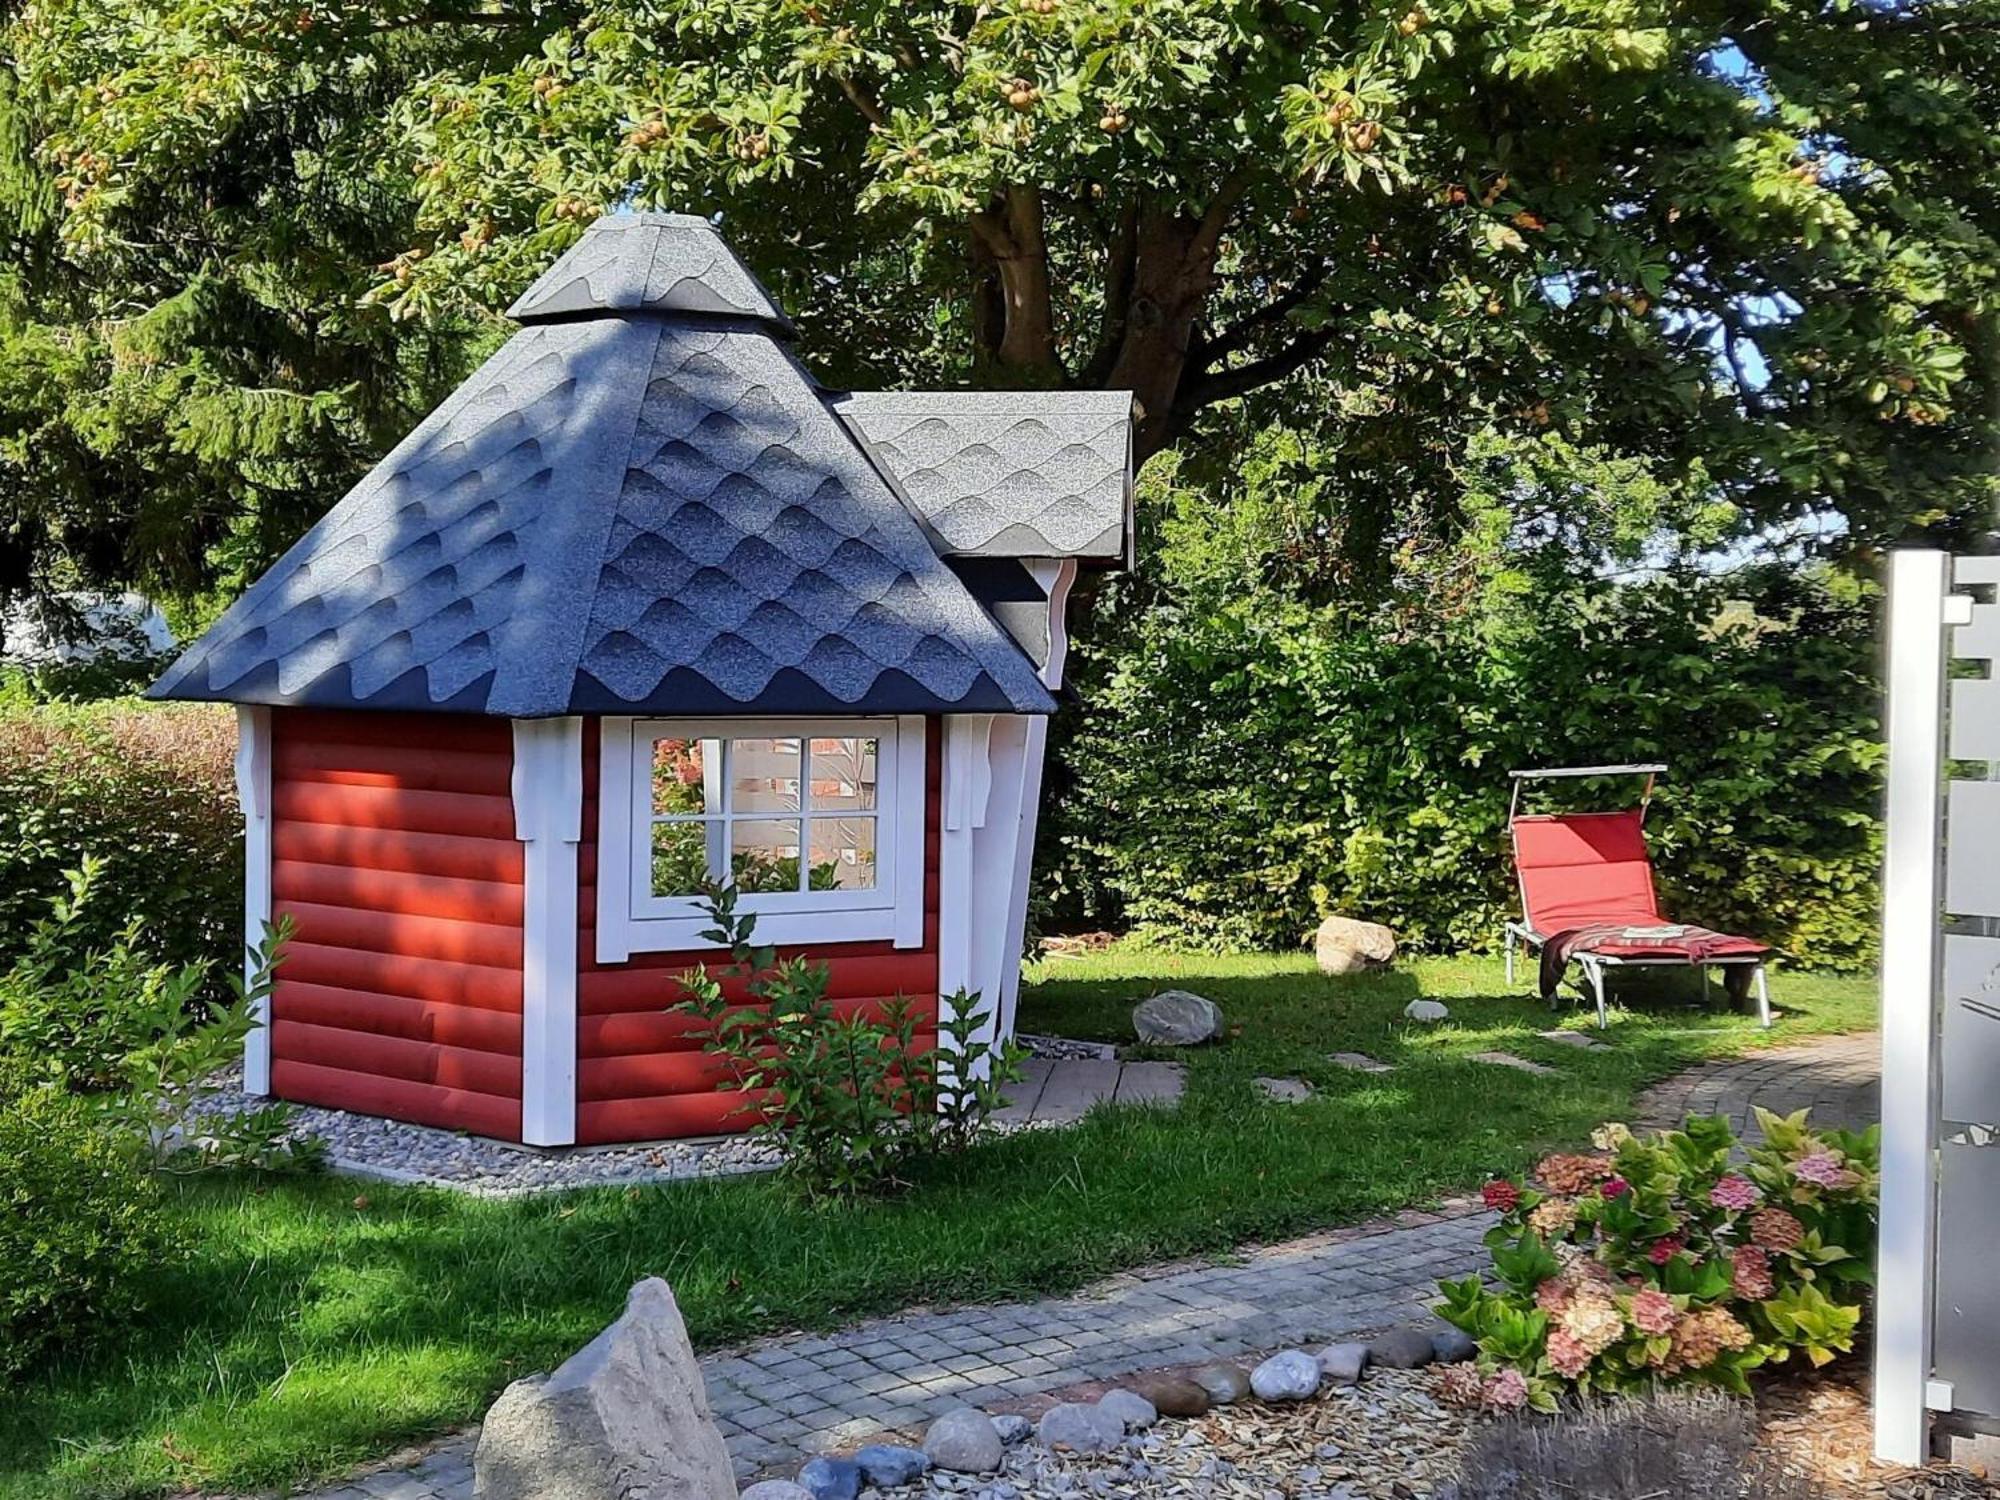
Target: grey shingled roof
(643,505)
(648,263)
(1008,473)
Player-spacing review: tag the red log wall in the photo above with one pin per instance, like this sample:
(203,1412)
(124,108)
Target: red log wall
(393,851)
(640,1076)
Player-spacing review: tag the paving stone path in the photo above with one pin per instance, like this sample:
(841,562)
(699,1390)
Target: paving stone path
(783,1397)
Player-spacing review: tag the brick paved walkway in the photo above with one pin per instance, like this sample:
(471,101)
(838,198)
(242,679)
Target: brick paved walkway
(1837,1078)
(784,1397)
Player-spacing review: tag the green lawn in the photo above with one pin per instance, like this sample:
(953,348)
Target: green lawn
(309,1334)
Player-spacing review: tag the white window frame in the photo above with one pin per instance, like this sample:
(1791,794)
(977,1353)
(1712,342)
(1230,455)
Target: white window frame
(630,919)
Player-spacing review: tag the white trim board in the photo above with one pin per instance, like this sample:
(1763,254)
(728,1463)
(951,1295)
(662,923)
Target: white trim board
(253,795)
(547,790)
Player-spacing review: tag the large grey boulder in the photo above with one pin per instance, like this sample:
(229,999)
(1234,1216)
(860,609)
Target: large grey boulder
(1342,945)
(624,1418)
(1177,1018)
(964,1441)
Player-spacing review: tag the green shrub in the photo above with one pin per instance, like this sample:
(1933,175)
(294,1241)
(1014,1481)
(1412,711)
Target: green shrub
(149,791)
(83,1231)
(1662,1259)
(850,1102)
(1242,768)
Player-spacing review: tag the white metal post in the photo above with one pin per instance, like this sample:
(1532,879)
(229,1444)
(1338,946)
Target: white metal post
(1910,909)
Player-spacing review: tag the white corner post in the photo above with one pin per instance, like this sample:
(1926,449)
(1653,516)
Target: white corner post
(965,910)
(548,820)
(253,794)
(1919,610)
(1056,579)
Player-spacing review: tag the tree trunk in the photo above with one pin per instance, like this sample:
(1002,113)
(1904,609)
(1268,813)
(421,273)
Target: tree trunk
(1010,233)
(1172,274)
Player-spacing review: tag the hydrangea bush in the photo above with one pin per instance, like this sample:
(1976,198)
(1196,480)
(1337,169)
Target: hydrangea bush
(1672,1257)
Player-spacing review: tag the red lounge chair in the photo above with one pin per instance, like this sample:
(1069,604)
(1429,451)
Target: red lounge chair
(1587,894)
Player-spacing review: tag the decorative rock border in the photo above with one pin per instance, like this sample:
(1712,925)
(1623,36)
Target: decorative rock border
(968,1449)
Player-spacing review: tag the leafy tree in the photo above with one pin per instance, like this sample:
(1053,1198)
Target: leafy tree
(1755,236)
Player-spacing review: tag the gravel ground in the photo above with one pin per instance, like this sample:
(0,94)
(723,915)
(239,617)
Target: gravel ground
(1059,1047)
(389,1150)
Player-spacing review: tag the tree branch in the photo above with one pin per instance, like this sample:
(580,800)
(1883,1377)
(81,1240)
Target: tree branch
(1242,379)
(1207,241)
(1235,338)
(856,96)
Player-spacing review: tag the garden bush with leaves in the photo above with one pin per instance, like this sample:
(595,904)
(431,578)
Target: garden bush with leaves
(83,1229)
(851,1101)
(149,792)
(1661,1259)
(1264,740)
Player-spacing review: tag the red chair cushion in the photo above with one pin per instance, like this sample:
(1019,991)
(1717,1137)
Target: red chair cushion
(1585,870)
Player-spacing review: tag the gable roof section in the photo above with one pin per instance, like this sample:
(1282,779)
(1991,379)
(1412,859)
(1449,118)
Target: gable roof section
(1007,473)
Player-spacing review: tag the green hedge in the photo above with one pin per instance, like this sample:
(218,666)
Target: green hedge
(1242,767)
(150,790)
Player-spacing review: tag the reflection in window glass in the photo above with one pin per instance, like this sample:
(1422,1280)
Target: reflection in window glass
(843,775)
(763,776)
(764,854)
(843,854)
(679,787)
(680,857)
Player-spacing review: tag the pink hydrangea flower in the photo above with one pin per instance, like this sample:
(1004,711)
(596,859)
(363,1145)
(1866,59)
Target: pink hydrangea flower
(1824,1168)
(1653,1312)
(1569,1357)
(1665,1248)
(1750,1274)
(1615,1187)
(1735,1192)
(1553,1296)
(1508,1389)
(1501,1194)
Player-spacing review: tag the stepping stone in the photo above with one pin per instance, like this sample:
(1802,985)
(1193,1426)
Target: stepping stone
(1150,1083)
(1509,1060)
(1360,1062)
(1571,1038)
(1285,1090)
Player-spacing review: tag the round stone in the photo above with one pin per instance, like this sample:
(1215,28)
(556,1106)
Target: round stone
(1223,1382)
(1402,1349)
(1132,1410)
(830,1478)
(964,1441)
(1427,1010)
(1080,1428)
(1177,1018)
(1343,1363)
(887,1465)
(1171,1395)
(1013,1428)
(1452,1346)
(1290,1376)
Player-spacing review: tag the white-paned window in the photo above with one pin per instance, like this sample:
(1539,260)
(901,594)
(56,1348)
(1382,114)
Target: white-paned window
(819,823)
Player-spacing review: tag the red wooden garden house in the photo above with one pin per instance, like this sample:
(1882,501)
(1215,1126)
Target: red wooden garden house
(640,603)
